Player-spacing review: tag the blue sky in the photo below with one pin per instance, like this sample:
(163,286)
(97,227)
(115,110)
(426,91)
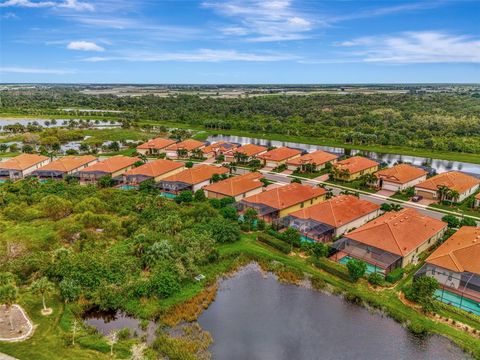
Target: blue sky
(239,41)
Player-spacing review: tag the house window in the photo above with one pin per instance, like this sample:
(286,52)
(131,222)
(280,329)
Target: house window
(301,205)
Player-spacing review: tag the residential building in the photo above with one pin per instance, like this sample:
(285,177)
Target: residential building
(353,168)
(114,166)
(22,165)
(245,153)
(191,179)
(276,203)
(186,148)
(238,187)
(313,161)
(392,240)
(332,218)
(465,185)
(400,177)
(64,166)
(218,148)
(155,146)
(154,170)
(279,156)
(456,266)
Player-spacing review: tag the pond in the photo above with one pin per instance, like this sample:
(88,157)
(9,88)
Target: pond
(107,321)
(102,124)
(437,164)
(256,317)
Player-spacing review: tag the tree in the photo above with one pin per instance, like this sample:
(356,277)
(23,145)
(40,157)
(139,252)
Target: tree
(452,221)
(182,153)
(189,164)
(467,221)
(356,269)
(224,231)
(296,180)
(112,340)
(105,181)
(442,192)
(164,283)
(69,290)
(8,293)
(423,291)
(292,237)
(185,196)
(229,212)
(200,195)
(43,287)
(55,207)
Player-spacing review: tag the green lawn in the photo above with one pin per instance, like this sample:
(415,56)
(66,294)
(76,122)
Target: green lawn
(354,185)
(463,208)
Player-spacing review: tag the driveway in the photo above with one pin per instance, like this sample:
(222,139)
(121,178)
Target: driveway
(386,193)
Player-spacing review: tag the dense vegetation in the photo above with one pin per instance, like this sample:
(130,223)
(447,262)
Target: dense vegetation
(443,122)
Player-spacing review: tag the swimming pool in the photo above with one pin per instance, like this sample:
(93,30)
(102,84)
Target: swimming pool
(457,301)
(168,195)
(128,187)
(370,268)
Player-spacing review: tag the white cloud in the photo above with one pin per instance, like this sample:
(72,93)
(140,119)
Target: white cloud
(84,46)
(416,47)
(262,20)
(24,70)
(202,55)
(66,4)
(8,15)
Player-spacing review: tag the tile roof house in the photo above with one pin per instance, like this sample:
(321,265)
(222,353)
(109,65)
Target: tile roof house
(456,264)
(333,217)
(477,200)
(354,167)
(154,170)
(316,160)
(155,146)
(218,148)
(22,165)
(250,151)
(279,156)
(279,202)
(191,179)
(113,166)
(400,177)
(67,165)
(464,184)
(239,187)
(392,240)
(189,146)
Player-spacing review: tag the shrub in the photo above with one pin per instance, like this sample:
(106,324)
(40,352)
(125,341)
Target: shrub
(452,221)
(375,279)
(184,197)
(356,269)
(274,242)
(332,268)
(394,275)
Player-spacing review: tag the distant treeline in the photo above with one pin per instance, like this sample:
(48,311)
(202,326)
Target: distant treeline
(448,122)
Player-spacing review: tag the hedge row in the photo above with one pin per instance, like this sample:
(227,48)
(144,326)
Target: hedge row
(274,242)
(332,268)
(394,275)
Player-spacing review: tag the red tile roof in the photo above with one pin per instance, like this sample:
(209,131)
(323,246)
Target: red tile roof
(221,146)
(155,168)
(318,157)
(197,174)
(69,163)
(460,252)
(250,149)
(189,145)
(157,143)
(280,154)
(398,232)
(22,162)
(286,196)
(454,180)
(338,211)
(112,164)
(401,173)
(237,185)
(356,164)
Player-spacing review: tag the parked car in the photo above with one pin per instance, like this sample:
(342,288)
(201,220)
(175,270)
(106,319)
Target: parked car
(417,198)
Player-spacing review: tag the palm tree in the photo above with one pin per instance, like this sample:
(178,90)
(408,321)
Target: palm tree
(182,153)
(42,286)
(442,191)
(453,195)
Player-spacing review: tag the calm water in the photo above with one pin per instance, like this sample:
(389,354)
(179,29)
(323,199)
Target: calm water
(256,317)
(60,123)
(106,322)
(437,164)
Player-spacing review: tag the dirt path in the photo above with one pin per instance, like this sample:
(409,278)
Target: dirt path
(22,326)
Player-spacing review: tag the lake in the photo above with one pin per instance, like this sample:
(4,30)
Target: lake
(59,123)
(256,317)
(437,164)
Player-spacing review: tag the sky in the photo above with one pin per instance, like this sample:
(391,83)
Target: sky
(239,41)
